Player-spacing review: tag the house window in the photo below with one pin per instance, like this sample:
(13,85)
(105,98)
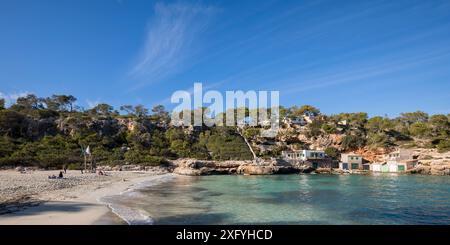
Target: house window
(355,166)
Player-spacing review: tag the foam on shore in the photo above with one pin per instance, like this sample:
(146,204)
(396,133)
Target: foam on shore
(131,215)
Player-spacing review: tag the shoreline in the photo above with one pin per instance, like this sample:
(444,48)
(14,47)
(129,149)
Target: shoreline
(77,205)
(78,199)
(121,212)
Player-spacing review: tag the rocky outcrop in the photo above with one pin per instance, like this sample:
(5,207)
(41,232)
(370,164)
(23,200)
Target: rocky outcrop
(323,171)
(195,167)
(102,125)
(440,167)
(38,128)
(420,170)
(253,169)
(325,141)
(431,162)
(191,171)
(372,154)
(434,169)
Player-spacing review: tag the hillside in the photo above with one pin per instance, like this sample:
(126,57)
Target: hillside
(307,128)
(50,132)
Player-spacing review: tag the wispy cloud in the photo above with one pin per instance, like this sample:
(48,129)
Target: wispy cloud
(172,37)
(362,73)
(92,103)
(190,90)
(10,98)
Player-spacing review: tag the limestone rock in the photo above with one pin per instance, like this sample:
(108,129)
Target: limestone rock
(256,169)
(323,171)
(196,167)
(421,169)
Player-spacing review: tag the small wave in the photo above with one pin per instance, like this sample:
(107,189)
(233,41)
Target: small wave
(152,181)
(130,215)
(134,216)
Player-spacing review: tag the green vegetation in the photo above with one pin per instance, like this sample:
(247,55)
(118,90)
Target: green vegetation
(224,143)
(332,152)
(305,109)
(350,142)
(50,132)
(358,130)
(444,145)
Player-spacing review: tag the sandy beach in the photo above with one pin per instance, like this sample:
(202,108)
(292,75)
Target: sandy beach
(32,198)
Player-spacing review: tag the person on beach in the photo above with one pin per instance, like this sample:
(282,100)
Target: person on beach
(60,174)
(65,169)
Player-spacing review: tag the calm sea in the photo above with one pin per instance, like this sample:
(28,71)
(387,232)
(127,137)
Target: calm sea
(288,199)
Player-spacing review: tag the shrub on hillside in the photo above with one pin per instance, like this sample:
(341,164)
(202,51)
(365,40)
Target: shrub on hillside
(350,142)
(332,152)
(444,145)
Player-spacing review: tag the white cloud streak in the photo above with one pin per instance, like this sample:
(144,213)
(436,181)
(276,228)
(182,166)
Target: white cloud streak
(364,73)
(172,37)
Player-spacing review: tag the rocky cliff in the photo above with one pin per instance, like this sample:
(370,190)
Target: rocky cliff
(432,162)
(194,167)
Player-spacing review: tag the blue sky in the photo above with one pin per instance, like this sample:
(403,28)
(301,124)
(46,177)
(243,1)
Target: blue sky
(382,57)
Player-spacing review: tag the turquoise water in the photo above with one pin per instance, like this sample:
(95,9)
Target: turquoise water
(294,199)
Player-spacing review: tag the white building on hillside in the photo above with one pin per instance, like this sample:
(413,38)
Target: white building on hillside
(397,161)
(303,155)
(351,161)
(294,121)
